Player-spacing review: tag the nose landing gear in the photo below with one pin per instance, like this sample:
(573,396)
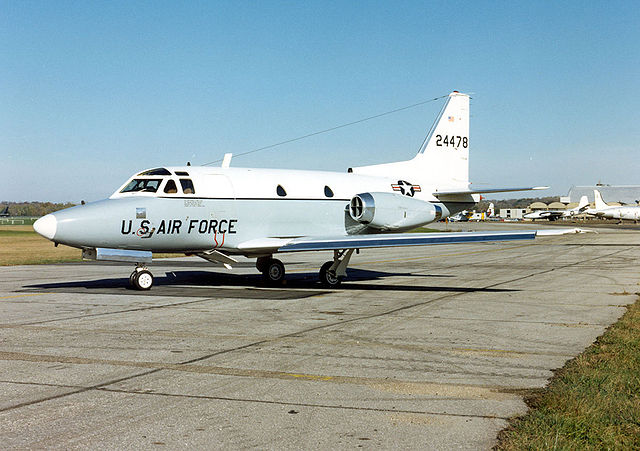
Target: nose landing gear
(141,278)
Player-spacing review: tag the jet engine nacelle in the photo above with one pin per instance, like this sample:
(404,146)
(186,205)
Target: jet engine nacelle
(390,211)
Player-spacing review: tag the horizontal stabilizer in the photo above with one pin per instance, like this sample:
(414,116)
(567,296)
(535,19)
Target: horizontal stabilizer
(487,191)
(399,239)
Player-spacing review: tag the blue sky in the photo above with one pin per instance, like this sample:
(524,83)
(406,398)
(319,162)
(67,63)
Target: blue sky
(91,92)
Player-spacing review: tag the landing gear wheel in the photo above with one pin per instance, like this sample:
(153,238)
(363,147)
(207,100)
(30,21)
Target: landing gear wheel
(142,280)
(328,278)
(273,272)
(262,262)
(132,277)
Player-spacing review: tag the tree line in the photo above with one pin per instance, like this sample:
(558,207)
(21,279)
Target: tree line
(33,208)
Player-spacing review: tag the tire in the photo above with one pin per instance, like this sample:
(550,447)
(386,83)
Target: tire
(143,280)
(262,262)
(273,272)
(132,277)
(328,278)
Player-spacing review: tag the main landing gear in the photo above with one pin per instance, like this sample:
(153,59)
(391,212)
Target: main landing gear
(141,278)
(331,273)
(272,270)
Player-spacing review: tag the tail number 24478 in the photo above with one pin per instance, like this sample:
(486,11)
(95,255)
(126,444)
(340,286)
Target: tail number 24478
(453,141)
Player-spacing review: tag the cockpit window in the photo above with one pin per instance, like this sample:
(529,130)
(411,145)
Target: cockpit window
(145,185)
(170,187)
(187,186)
(156,171)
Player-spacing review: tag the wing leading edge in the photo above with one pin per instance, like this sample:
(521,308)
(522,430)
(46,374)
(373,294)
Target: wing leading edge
(399,239)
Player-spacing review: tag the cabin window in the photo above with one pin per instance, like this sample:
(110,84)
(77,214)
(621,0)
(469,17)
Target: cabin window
(182,173)
(156,171)
(187,186)
(328,192)
(170,187)
(144,185)
(280,190)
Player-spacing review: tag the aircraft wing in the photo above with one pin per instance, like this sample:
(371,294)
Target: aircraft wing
(487,191)
(399,239)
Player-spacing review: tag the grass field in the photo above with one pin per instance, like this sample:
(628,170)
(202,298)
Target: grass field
(591,403)
(20,245)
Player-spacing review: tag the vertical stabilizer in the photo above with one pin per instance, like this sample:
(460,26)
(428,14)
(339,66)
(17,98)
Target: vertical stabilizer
(443,159)
(600,204)
(583,204)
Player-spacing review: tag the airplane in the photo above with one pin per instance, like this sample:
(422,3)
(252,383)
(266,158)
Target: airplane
(5,213)
(553,215)
(462,216)
(218,212)
(602,210)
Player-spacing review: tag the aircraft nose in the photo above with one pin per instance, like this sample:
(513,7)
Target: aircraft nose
(46,226)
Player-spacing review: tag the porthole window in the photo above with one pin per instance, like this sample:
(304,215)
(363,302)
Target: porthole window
(280,190)
(328,192)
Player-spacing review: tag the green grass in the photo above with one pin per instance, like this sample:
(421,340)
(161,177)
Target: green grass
(591,403)
(16,233)
(21,245)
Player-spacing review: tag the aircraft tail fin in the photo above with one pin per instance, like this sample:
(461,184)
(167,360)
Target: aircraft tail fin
(443,159)
(491,211)
(600,203)
(583,204)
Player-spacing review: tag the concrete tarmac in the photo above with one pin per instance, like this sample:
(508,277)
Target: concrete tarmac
(425,347)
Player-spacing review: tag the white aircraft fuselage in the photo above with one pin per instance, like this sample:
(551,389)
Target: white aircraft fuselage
(232,208)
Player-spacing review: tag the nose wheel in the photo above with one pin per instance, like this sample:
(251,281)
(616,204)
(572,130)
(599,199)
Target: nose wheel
(141,279)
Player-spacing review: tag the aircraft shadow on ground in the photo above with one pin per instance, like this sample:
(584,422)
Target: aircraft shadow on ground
(297,285)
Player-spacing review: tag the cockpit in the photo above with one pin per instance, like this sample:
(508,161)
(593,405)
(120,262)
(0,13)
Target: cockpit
(160,181)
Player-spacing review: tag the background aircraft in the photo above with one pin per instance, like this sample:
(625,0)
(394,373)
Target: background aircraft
(552,215)
(602,210)
(218,212)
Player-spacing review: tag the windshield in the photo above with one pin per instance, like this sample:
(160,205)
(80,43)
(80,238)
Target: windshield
(146,185)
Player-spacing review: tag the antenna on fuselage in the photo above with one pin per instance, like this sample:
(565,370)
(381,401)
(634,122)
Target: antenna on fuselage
(226,161)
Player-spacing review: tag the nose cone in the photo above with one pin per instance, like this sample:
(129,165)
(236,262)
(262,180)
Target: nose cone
(46,226)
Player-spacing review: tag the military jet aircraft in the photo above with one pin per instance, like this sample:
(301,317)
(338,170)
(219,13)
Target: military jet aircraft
(552,215)
(218,212)
(602,210)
